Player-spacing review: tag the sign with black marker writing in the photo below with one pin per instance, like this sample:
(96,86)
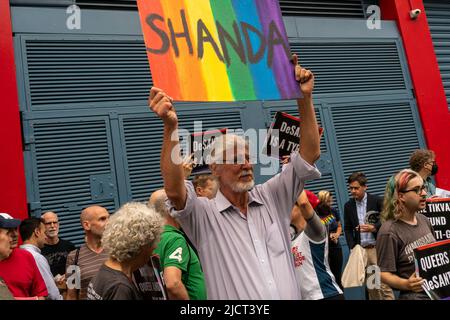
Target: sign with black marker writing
(218,50)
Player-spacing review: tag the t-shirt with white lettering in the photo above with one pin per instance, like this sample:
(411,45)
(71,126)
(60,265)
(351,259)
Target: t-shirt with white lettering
(396,242)
(110,284)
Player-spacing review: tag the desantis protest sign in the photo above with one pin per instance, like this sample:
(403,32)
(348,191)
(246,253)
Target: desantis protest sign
(438,212)
(283,136)
(218,50)
(149,281)
(433,265)
(200,147)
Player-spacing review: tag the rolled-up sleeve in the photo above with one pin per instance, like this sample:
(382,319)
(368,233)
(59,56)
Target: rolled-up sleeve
(190,217)
(287,185)
(191,197)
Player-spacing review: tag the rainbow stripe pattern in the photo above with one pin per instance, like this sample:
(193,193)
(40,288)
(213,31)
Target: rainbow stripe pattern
(328,219)
(218,50)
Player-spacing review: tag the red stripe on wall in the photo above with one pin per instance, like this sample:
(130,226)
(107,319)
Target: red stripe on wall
(12,174)
(426,78)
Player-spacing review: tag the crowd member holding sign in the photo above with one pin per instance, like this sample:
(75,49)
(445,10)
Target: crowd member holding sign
(130,237)
(310,252)
(332,220)
(424,163)
(403,230)
(241,234)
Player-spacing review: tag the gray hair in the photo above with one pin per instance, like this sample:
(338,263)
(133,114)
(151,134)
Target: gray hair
(133,226)
(225,144)
(158,201)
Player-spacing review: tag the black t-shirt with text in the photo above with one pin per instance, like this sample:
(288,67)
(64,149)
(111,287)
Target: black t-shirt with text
(56,255)
(110,284)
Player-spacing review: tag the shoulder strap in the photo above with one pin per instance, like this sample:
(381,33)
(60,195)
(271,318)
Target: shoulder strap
(77,254)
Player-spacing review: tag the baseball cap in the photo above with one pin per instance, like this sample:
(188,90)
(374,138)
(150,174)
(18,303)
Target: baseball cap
(312,198)
(8,222)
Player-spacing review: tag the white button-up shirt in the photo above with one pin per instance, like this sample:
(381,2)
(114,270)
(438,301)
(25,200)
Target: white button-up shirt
(248,256)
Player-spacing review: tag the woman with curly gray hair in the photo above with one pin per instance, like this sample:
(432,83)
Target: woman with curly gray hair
(403,230)
(130,237)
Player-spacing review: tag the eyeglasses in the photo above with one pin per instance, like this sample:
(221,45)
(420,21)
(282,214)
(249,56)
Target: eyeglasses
(417,190)
(51,222)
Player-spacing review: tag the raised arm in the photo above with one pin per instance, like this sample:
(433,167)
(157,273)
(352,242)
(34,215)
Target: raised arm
(171,162)
(314,229)
(309,132)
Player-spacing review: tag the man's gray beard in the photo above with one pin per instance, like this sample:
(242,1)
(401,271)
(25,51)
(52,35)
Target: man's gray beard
(243,186)
(52,234)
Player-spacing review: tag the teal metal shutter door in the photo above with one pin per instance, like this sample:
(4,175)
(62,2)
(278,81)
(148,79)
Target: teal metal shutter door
(438,15)
(73,169)
(376,138)
(324,8)
(347,66)
(74,72)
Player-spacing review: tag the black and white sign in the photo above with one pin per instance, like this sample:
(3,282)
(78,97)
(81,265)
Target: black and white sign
(284,135)
(200,146)
(433,265)
(438,212)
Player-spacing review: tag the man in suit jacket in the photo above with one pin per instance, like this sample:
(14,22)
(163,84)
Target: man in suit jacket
(355,211)
(360,231)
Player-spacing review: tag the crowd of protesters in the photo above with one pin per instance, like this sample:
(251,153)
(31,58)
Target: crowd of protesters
(223,237)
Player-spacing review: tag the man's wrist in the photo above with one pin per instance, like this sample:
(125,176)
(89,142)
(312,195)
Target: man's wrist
(306,100)
(170,125)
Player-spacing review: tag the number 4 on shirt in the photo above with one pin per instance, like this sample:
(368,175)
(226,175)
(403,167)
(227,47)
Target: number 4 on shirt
(177,254)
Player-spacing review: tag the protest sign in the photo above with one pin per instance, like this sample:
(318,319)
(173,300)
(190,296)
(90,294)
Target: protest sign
(218,50)
(200,146)
(149,281)
(433,265)
(283,136)
(438,212)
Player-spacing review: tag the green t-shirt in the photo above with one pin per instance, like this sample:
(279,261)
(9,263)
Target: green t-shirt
(174,251)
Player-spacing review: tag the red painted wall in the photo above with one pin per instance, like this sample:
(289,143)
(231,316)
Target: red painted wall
(426,78)
(12,174)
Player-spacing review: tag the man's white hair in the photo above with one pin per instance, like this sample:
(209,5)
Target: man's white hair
(129,229)
(225,145)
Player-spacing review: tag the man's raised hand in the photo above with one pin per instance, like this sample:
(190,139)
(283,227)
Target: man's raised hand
(161,104)
(304,76)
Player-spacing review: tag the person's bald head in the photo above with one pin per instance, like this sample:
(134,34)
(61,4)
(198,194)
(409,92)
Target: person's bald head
(93,220)
(158,200)
(50,220)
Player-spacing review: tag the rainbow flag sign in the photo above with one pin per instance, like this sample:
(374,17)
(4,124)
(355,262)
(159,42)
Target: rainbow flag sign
(218,50)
